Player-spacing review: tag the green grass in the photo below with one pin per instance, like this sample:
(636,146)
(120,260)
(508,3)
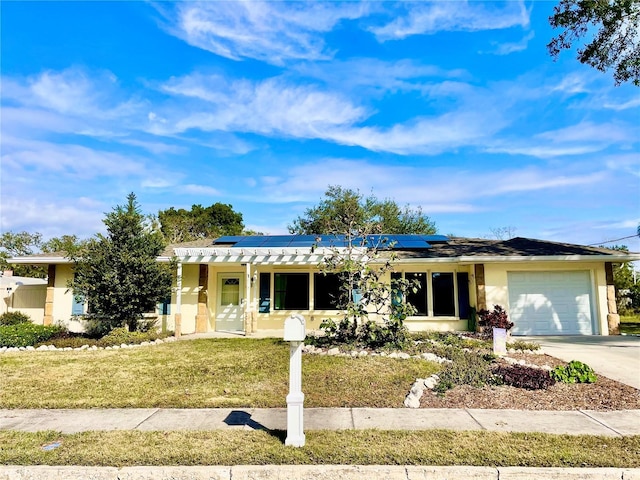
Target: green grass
(198,374)
(630,324)
(366,447)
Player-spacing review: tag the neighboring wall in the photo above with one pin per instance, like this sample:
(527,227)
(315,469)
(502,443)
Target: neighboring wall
(29,299)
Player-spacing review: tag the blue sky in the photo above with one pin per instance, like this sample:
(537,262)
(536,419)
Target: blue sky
(455,107)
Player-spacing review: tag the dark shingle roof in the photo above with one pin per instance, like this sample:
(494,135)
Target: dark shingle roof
(515,247)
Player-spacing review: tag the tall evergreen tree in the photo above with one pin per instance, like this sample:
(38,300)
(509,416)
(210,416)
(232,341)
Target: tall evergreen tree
(118,273)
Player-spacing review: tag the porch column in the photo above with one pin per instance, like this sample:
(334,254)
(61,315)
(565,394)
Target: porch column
(481,294)
(247,299)
(48,303)
(613,319)
(178,314)
(202,318)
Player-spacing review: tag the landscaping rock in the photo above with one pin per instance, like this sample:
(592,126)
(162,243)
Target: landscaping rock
(42,347)
(51,347)
(404,356)
(30,347)
(412,401)
(333,351)
(431,382)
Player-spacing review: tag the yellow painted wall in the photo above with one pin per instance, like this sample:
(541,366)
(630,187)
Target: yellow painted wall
(274,320)
(498,294)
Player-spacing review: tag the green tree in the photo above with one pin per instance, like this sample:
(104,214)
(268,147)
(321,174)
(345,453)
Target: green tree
(364,271)
(343,209)
(17,245)
(67,244)
(200,222)
(118,273)
(627,291)
(612,30)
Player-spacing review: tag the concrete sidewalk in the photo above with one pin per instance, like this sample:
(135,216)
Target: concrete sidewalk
(575,422)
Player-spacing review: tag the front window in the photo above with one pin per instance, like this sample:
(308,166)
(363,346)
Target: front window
(443,295)
(439,286)
(419,298)
(291,291)
(326,294)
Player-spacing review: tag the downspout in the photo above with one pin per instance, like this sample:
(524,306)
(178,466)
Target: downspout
(178,315)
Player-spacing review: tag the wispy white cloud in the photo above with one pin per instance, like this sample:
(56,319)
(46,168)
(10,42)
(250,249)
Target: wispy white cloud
(278,107)
(272,32)
(158,148)
(628,163)
(75,92)
(425,18)
(67,159)
(631,103)
(582,138)
(205,190)
(267,107)
(53,217)
(436,189)
(512,47)
(379,75)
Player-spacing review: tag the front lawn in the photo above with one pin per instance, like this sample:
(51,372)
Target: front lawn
(198,374)
(630,324)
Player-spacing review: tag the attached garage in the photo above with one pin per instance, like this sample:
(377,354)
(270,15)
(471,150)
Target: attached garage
(551,303)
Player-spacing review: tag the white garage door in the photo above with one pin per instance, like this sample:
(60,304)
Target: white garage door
(550,303)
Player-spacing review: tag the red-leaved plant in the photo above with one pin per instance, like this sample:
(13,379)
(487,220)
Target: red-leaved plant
(496,318)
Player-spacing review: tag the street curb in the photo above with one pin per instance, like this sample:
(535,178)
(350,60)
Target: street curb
(315,472)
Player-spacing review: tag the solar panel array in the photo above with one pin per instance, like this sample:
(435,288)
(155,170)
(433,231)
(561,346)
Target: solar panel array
(395,242)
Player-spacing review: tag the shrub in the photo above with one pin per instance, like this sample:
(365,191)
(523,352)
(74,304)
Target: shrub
(468,368)
(26,334)
(73,341)
(520,376)
(521,345)
(14,318)
(118,336)
(496,318)
(574,372)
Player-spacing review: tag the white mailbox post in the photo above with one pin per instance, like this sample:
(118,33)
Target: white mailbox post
(295,333)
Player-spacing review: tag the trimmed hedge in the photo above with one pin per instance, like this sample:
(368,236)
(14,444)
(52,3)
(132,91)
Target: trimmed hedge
(14,318)
(26,334)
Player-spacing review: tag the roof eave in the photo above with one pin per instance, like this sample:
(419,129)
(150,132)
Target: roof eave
(38,260)
(549,258)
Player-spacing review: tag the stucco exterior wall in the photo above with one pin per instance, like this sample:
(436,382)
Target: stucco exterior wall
(497,284)
(29,299)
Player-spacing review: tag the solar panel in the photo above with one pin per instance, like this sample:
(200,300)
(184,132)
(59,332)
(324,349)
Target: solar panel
(394,241)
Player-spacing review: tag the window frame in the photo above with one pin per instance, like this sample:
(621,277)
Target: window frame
(430,293)
(280,304)
(330,305)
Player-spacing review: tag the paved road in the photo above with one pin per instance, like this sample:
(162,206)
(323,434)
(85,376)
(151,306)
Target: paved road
(615,356)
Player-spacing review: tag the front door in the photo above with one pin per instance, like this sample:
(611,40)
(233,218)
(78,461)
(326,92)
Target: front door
(230,304)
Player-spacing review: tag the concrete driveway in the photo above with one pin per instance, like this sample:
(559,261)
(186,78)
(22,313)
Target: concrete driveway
(614,356)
